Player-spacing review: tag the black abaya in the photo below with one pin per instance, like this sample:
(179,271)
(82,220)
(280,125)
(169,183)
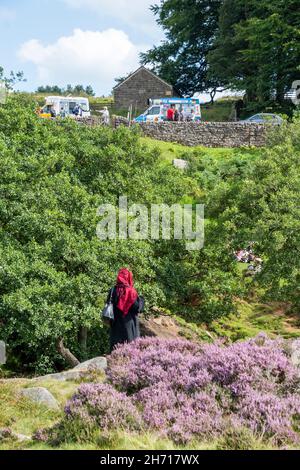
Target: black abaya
(124,329)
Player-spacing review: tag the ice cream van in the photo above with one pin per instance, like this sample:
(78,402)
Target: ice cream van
(189,109)
(65,107)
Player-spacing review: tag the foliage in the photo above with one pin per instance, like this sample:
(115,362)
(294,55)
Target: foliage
(250,46)
(69,90)
(99,407)
(55,272)
(265,209)
(13,78)
(190,29)
(257,48)
(188,392)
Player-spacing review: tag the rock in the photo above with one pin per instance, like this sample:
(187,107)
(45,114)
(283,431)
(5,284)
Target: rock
(295,353)
(159,326)
(2,353)
(181,164)
(96,364)
(21,437)
(41,396)
(62,376)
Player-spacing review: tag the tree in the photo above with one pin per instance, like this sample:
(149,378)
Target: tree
(181,59)
(257,48)
(55,273)
(89,91)
(265,209)
(69,90)
(50,89)
(12,79)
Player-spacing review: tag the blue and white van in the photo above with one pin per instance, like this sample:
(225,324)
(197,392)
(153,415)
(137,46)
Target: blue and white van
(189,109)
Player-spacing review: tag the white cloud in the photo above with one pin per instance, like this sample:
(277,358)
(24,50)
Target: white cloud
(6,15)
(87,57)
(133,13)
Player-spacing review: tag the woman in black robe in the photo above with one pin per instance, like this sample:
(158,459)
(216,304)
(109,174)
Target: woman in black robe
(127,305)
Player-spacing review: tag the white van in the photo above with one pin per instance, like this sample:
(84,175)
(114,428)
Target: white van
(66,107)
(188,108)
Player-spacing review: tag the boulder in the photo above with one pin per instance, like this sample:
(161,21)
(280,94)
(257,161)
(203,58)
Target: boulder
(2,353)
(181,164)
(41,396)
(295,353)
(96,364)
(159,326)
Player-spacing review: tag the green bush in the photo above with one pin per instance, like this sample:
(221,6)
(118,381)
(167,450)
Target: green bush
(55,272)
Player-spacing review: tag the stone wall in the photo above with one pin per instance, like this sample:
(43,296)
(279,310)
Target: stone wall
(137,90)
(208,134)
(118,121)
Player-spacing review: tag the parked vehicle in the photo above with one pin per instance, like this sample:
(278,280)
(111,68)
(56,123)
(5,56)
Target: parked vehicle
(265,118)
(189,109)
(65,107)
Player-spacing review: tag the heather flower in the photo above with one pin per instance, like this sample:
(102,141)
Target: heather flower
(100,406)
(41,435)
(187,391)
(180,416)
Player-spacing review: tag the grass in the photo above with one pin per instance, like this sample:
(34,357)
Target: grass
(253,318)
(23,417)
(170,151)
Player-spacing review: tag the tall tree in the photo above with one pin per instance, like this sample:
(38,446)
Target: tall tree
(190,27)
(257,49)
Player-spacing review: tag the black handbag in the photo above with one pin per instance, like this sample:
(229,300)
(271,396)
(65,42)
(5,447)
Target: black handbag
(141,304)
(108,311)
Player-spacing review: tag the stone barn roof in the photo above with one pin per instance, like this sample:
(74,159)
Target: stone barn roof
(139,87)
(142,68)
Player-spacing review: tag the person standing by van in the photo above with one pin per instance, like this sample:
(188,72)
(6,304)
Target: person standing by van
(171,113)
(105,116)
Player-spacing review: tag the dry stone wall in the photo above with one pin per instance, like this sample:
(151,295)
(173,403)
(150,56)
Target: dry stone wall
(208,134)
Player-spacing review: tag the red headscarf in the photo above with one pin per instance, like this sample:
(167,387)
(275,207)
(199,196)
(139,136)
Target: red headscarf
(125,291)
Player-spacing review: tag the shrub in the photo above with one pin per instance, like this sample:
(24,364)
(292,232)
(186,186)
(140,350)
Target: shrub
(186,392)
(92,413)
(55,273)
(189,391)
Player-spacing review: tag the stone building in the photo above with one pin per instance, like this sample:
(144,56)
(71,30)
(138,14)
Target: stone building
(139,87)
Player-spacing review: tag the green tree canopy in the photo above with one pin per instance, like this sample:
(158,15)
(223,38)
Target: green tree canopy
(257,48)
(69,90)
(266,210)
(190,27)
(54,271)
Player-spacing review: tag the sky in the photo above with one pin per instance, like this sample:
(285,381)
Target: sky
(89,42)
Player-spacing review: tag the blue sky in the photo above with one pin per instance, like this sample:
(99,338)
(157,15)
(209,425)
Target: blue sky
(75,41)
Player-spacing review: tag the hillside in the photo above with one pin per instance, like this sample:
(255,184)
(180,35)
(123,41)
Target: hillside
(56,272)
